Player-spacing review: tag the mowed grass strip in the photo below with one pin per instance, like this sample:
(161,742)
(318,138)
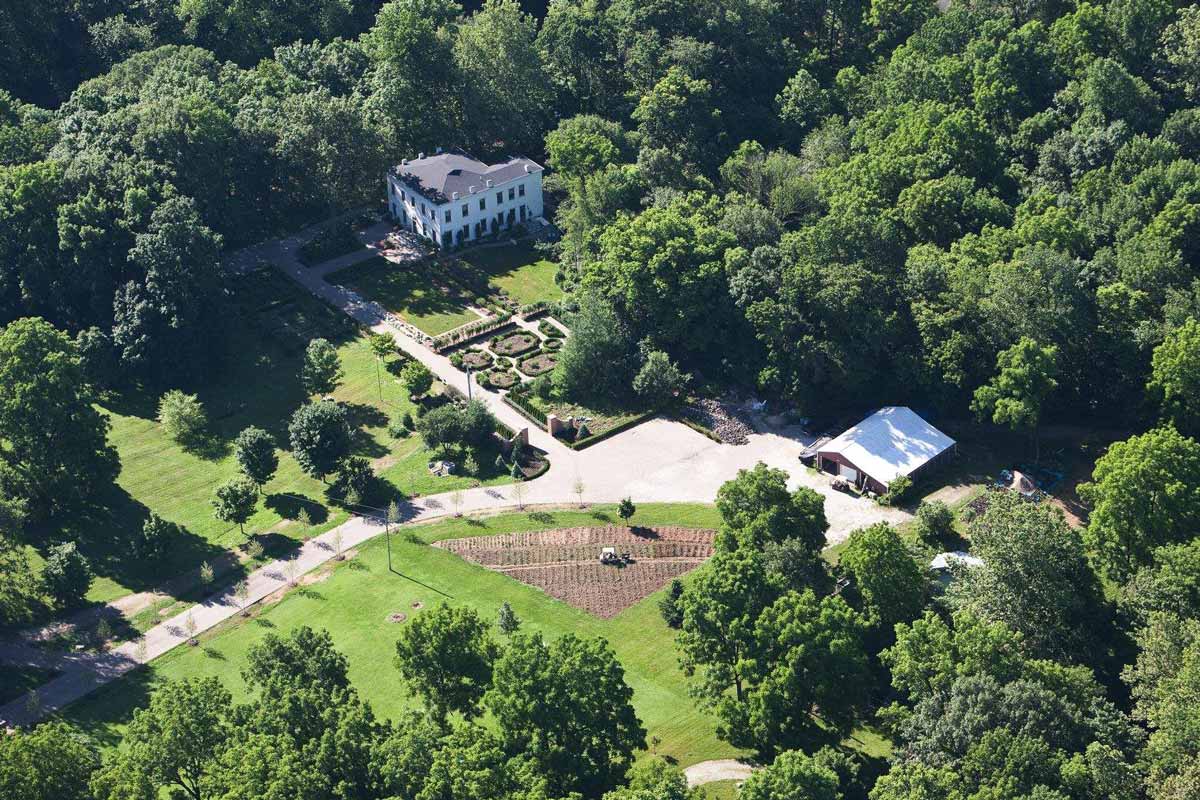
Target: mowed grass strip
(258,384)
(409,290)
(354,601)
(519,269)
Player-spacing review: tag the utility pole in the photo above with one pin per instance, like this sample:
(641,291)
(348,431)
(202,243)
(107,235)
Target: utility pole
(468,384)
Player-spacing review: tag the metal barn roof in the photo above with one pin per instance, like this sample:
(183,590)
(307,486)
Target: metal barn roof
(891,442)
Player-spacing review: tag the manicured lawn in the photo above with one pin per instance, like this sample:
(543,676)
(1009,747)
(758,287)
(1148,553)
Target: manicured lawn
(354,601)
(257,385)
(412,291)
(520,270)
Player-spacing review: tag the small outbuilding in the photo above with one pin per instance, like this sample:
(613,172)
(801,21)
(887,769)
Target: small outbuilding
(893,441)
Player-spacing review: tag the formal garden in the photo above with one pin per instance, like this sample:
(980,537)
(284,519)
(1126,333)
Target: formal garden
(512,355)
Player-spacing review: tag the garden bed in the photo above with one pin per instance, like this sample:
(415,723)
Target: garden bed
(477,359)
(538,365)
(565,563)
(515,344)
(502,379)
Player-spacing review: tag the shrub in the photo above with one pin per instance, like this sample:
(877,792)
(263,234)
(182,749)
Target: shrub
(470,465)
(897,490)
(182,416)
(935,522)
(659,381)
(542,387)
(67,575)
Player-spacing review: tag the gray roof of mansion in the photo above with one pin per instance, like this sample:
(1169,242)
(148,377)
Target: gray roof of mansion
(438,177)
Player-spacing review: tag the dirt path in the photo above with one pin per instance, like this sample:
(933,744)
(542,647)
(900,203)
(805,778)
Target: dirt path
(721,769)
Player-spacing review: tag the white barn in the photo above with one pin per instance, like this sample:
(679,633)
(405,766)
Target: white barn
(452,199)
(893,441)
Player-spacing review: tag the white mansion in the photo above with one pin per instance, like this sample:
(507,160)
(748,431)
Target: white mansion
(452,198)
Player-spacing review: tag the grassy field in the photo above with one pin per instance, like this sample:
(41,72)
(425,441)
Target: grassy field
(258,385)
(519,269)
(355,598)
(409,291)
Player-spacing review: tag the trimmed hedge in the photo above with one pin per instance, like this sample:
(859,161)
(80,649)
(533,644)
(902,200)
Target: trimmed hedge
(526,409)
(613,431)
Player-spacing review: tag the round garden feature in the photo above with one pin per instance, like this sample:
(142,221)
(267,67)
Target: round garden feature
(477,359)
(539,364)
(515,344)
(502,380)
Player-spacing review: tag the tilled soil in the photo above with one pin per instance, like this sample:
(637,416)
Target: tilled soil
(565,563)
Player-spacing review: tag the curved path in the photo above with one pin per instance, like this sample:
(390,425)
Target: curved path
(658,461)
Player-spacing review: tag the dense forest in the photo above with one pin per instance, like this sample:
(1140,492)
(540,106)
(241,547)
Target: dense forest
(988,209)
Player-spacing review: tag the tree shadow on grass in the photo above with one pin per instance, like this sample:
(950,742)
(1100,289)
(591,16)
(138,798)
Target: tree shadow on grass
(104,713)
(276,545)
(105,529)
(289,506)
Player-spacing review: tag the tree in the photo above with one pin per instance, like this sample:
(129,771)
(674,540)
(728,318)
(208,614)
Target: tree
(382,345)
(166,323)
(442,427)
(54,452)
(802,104)
(566,705)
(505,92)
(677,120)
(1144,492)
(1171,583)
(757,508)
(807,662)
(507,620)
(66,575)
(255,452)
(235,500)
(655,778)
(182,416)
(1014,397)
(320,437)
(18,589)
(417,379)
(446,658)
(891,584)
(578,489)
(1175,376)
(155,539)
(626,509)
(1034,578)
(52,761)
(659,381)
(519,490)
(794,775)
(241,593)
(663,272)
(935,522)
(322,370)
(669,606)
(172,743)
(1181,53)
(596,362)
(720,607)
(355,480)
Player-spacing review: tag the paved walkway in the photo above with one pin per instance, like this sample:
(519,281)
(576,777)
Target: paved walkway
(658,461)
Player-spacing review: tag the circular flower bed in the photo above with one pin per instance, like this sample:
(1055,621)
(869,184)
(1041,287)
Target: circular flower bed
(539,364)
(477,359)
(502,380)
(552,345)
(515,344)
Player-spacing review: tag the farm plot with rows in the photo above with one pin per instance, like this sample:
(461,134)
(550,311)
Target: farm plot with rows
(565,563)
